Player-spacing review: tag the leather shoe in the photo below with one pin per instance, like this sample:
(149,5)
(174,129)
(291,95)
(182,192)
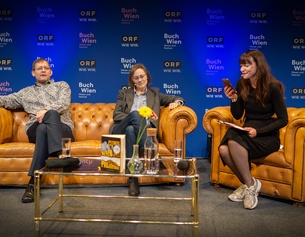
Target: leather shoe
(28,195)
(133,187)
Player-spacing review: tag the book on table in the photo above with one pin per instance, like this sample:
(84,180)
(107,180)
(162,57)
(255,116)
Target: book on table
(113,153)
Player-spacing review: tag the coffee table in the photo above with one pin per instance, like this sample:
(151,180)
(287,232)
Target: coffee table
(39,215)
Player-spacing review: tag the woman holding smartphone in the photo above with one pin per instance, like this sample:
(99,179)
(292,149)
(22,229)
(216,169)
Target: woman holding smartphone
(258,96)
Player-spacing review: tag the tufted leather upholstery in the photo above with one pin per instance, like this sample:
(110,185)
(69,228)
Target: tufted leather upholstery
(281,173)
(90,122)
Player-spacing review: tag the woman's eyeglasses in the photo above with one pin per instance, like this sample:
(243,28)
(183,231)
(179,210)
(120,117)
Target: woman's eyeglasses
(139,77)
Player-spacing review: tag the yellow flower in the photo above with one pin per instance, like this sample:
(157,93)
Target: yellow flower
(145,112)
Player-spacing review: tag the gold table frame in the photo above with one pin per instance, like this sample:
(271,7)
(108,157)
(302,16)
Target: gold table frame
(38,213)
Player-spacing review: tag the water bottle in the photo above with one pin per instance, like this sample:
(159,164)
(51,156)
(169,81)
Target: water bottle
(151,152)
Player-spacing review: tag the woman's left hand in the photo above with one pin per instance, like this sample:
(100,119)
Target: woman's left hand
(154,116)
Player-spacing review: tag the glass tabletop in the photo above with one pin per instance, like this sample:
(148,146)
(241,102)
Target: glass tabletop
(89,166)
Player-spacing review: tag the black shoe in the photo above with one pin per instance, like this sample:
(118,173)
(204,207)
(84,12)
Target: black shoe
(28,195)
(133,187)
(56,154)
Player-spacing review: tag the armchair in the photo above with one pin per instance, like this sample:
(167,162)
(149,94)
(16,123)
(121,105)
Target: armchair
(281,173)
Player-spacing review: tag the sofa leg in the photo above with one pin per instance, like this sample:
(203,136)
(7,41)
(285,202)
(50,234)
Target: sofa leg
(178,184)
(216,185)
(299,204)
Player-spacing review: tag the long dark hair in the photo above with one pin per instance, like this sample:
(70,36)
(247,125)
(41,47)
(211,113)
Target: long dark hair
(263,75)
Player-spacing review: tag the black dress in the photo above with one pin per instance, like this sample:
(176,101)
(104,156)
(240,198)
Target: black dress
(261,118)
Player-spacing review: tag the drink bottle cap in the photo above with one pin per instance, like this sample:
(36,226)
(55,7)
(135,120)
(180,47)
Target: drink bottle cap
(151,131)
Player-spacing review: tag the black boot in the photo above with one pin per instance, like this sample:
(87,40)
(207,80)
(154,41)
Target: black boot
(133,187)
(28,195)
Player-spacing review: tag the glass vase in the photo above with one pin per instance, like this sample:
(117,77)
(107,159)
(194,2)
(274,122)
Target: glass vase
(135,165)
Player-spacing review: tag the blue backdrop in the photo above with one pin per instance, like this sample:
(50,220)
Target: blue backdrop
(187,45)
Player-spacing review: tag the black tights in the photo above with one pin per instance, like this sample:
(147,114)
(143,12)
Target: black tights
(236,157)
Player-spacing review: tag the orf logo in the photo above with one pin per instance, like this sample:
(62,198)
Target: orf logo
(214,89)
(87,13)
(45,38)
(87,63)
(6,62)
(258,15)
(298,41)
(172,64)
(130,39)
(173,14)
(215,40)
(298,91)
(6,12)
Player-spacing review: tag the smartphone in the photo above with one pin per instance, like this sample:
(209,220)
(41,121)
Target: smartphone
(227,82)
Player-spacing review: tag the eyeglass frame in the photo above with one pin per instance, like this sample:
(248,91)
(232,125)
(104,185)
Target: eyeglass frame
(41,68)
(132,71)
(139,77)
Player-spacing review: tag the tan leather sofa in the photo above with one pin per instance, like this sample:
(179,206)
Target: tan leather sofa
(90,121)
(281,173)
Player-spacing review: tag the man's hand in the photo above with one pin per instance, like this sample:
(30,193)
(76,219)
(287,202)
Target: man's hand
(40,114)
(174,105)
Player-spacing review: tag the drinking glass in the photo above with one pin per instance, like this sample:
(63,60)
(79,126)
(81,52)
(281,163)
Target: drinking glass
(66,147)
(177,151)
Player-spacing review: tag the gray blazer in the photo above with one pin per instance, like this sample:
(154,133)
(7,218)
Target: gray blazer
(154,99)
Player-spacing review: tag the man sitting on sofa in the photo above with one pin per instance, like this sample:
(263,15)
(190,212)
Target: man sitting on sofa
(47,104)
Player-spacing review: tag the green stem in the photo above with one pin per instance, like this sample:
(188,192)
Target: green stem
(140,133)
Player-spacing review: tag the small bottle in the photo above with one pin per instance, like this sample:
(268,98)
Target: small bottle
(151,152)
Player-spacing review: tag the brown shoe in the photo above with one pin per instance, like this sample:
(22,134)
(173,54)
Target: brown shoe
(133,187)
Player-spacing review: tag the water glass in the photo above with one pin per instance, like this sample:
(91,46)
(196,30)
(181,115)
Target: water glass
(178,151)
(66,147)
(151,160)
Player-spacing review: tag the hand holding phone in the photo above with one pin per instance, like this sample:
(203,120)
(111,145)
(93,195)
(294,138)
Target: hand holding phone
(227,83)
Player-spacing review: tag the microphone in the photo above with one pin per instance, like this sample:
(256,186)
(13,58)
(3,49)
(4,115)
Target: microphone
(183,164)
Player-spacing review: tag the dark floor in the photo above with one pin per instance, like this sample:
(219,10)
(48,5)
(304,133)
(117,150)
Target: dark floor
(217,215)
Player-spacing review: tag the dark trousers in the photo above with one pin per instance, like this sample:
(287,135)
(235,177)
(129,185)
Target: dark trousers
(130,126)
(47,138)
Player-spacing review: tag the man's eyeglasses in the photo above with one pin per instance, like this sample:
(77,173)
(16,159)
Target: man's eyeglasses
(42,68)
(139,77)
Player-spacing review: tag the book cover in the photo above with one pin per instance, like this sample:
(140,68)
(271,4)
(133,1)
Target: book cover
(89,163)
(113,154)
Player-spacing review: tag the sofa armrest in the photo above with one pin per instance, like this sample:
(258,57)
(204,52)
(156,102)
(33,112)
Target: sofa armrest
(294,137)
(6,125)
(211,117)
(211,125)
(176,124)
(294,150)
